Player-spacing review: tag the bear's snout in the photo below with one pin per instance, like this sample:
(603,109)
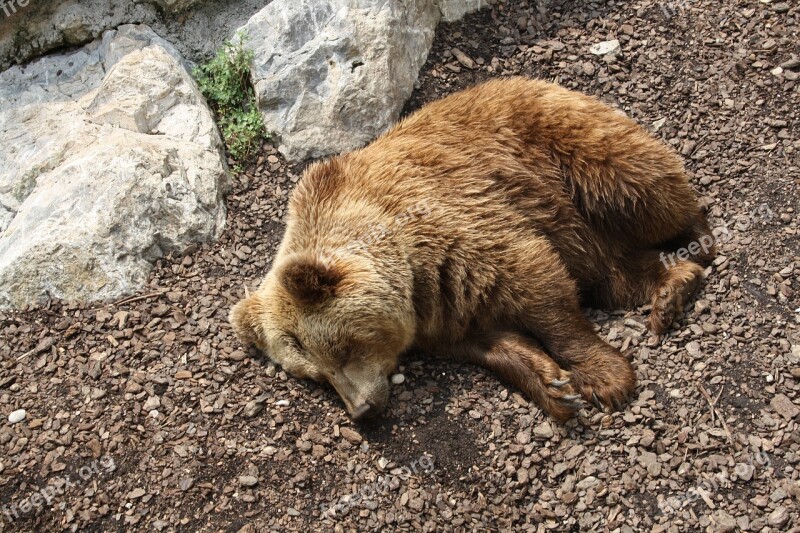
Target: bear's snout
(365,392)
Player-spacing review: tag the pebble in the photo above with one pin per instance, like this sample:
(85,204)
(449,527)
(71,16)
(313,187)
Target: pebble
(136,493)
(605,47)
(784,406)
(153,402)
(397,379)
(543,430)
(17,416)
(463,58)
(253,408)
(778,517)
(248,481)
(351,435)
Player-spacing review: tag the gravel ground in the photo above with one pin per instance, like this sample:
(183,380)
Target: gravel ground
(147,414)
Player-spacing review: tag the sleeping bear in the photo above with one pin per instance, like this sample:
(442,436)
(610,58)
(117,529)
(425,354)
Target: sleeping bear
(476,228)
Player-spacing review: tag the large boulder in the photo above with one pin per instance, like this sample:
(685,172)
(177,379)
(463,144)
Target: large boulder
(31,28)
(330,75)
(111,159)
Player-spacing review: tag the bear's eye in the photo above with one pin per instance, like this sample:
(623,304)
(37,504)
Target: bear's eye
(346,353)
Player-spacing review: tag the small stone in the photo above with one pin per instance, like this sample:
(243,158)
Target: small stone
(17,416)
(463,58)
(350,435)
(136,493)
(790,65)
(543,430)
(282,403)
(253,408)
(726,523)
(648,458)
(781,7)
(605,47)
(186,483)
(248,481)
(778,517)
(153,402)
(784,406)
(574,452)
(183,374)
(397,379)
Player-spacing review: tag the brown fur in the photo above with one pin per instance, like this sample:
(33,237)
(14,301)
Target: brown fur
(535,199)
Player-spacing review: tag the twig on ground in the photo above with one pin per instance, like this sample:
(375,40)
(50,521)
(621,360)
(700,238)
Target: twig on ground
(713,405)
(134,299)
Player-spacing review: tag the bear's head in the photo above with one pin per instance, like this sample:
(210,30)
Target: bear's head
(331,317)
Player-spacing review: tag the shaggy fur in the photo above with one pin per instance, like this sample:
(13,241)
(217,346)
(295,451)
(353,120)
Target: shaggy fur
(475,228)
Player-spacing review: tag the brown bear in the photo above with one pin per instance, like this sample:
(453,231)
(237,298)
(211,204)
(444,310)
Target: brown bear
(475,228)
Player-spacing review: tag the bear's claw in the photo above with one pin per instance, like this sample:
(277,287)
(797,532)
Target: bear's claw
(596,401)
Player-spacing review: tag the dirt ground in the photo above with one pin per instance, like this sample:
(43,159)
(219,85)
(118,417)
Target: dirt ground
(147,414)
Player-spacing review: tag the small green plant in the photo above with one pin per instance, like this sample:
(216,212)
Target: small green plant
(225,82)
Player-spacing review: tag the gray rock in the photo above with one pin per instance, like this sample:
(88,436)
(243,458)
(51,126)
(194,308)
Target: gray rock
(784,406)
(453,10)
(39,27)
(248,481)
(197,28)
(113,160)
(17,416)
(543,430)
(253,408)
(331,75)
(778,517)
(605,48)
(153,402)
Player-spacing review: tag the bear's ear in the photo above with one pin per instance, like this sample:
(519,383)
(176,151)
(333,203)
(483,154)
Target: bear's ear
(244,317)
(311,280)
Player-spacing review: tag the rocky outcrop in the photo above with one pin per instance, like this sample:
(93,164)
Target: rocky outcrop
(453,10)
(111,159)
(31,28)
(330,75)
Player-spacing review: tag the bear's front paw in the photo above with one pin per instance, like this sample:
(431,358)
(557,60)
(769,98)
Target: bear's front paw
(607,381)
(560,400)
